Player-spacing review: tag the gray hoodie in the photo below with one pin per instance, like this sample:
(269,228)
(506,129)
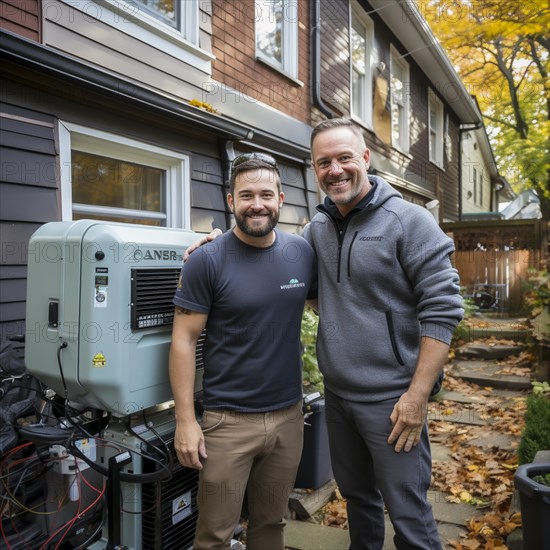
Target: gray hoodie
(385,281)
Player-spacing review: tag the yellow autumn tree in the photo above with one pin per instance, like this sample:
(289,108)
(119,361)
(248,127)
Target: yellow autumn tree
(501,50)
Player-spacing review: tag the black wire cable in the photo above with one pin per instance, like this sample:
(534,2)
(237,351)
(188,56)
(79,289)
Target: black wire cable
(159,475)
(154,448)
(166,448)
(63,345)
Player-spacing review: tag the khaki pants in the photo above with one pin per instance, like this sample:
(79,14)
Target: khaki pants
(256,452)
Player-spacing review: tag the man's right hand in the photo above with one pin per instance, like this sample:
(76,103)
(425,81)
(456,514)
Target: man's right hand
(189,445)
(203,240)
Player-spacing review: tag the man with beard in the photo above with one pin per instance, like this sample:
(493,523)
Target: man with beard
(389,301)
(248,289)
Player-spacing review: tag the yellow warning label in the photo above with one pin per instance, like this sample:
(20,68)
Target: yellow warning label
(99,360)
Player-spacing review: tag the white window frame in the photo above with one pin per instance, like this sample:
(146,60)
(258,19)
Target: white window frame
(126,17)
(359,16)
(481,187)
(176,166)
(289,62)
(437,128)
(447,140)
(397,62)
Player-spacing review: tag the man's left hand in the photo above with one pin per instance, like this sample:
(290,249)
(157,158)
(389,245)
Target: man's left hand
(408,418)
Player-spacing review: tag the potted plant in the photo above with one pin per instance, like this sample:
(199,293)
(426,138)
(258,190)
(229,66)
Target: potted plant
(532,479)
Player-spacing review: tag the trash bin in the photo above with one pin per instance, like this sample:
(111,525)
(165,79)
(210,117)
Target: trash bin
(315,468)
(535,506)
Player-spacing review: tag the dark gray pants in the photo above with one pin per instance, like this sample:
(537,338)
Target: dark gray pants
(370,474)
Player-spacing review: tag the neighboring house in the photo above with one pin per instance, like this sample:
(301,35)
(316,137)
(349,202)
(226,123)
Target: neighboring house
(380,62)
(132,110)
(483,188)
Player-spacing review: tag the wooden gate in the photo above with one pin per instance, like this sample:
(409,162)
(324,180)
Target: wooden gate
(493,259)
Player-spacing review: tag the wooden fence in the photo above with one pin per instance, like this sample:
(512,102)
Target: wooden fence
(494,258)
(500,274)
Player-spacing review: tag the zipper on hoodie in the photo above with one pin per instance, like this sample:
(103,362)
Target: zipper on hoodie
(349,253)
(340,234)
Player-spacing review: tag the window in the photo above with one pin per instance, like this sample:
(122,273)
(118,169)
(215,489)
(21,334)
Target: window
(361,62)
(474,178)
(109,177)
(167,11)
(436,123)
(399,102)
(277,34)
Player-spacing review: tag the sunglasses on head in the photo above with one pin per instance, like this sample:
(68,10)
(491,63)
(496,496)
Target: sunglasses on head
(268,159)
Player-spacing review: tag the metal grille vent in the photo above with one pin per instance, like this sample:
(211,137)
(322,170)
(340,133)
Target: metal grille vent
(163,527)
(152,294)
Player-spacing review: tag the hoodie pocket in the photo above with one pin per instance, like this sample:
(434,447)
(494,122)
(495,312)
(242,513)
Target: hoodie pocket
(393,339)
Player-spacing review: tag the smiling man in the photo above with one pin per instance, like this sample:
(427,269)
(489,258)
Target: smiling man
(248,288)
(389,300)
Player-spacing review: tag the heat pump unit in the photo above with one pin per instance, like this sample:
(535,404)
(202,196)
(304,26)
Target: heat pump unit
(99,311)
(153,516)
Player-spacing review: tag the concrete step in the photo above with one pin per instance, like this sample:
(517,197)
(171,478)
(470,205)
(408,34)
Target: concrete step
(488,351)
(305,535)
(500,328)
(451,523)
(487,374)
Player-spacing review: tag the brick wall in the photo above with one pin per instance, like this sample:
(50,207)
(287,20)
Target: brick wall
(233,44)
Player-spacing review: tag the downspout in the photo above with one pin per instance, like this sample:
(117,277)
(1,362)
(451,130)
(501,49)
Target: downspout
(227,154)
(316,59)
(461,130)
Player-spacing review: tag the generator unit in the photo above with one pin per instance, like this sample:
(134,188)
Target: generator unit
(99,312)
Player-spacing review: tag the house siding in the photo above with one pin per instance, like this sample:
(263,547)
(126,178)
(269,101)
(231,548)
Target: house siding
(28,198)
(21,17)
(334,63)
(207,194)
(95,41)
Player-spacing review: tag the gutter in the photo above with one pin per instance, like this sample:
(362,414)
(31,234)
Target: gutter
(316,59)
(48,61)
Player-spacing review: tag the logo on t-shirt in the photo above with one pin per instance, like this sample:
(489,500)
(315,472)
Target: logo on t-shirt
(293,283)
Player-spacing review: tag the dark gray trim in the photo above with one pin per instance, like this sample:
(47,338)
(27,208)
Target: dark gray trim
(51,62)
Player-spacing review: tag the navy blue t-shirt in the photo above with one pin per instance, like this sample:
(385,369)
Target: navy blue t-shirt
(254,298)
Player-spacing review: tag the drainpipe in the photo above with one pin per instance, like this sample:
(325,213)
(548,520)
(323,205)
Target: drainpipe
(461,130)
(316,59)
(227,154)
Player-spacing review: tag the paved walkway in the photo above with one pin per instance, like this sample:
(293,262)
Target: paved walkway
(451,517)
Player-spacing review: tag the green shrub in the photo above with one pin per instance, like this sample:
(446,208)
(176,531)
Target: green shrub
(311,375)
(543,479)
(462,331)
(536,434)
(537,300)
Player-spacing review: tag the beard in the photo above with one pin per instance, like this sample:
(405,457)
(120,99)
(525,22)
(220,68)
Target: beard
(270,221)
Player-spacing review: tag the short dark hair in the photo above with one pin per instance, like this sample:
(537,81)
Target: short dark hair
(331,123)
(253,161)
